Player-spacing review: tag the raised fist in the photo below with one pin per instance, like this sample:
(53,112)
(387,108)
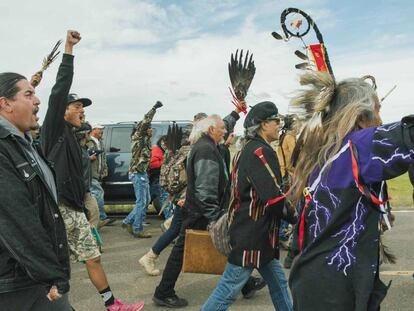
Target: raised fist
(158,104)
(73,37)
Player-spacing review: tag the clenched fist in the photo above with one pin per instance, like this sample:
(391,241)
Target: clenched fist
(72,38)
(53,294)
(158,104)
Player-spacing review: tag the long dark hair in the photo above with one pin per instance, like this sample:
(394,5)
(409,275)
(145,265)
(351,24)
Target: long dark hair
(8,84)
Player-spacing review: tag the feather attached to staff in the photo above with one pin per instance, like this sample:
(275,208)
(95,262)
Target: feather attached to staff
(241,72)
(47,61)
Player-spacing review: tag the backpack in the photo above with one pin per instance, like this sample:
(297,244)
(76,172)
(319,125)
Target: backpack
(173,177)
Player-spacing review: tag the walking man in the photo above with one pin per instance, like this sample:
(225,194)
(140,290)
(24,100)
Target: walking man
(63,151)
(141,156)
(99,171)
(34,258)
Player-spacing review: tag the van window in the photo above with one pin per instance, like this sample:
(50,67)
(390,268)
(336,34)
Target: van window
(121,139)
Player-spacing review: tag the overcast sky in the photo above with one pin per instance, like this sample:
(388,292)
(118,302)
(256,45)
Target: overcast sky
(133,53)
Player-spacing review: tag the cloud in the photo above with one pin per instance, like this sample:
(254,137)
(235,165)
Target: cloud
(136,52)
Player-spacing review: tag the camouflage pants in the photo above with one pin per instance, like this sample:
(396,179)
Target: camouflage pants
(93,210)
(82,244)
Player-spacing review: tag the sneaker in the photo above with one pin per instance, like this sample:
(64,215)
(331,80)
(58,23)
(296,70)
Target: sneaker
(148,262)
(142,235)
(252,286)
(127,227)
(119,306)
(170,302)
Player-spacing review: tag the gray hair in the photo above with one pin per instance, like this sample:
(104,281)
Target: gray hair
(337,110)
(252,131)
(202,127)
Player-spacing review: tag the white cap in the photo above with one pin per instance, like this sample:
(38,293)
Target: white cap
(97,126)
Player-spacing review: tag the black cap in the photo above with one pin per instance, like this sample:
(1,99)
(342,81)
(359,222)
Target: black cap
(261,112)
(72,97)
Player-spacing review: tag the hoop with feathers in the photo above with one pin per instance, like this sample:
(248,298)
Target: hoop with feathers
(320,55)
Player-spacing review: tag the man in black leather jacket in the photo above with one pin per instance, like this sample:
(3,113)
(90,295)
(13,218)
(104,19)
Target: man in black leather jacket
(207,181)
(34,257)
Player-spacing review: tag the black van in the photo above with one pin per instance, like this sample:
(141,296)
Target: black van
(117,143)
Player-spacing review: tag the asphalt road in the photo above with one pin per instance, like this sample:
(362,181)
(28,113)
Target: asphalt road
(129,282)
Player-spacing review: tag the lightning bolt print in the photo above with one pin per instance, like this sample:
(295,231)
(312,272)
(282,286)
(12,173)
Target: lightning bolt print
(396,156)
(343,256)
(320,213)
(383,142)
(388,127)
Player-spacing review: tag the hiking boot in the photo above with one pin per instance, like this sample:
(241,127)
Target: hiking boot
(119,306)
(127,227)
(148,262)
(252,286)
(142,235)
(170,302)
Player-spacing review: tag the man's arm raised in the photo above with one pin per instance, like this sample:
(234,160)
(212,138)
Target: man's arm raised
(53,124)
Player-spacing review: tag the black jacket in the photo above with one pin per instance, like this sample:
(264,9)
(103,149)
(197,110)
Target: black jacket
(207,180)
(59,143)
(254,219)
(33,245)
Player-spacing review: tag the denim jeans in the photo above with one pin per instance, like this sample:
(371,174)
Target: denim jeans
(137,216)
(233,279)
(155,188)
(169,209)
(98,193)
(168,236)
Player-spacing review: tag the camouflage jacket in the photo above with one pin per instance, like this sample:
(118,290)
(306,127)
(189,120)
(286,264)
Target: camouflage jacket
(141,145)
(173,176)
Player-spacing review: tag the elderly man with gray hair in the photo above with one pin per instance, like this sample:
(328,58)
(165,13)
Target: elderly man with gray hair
(207,194)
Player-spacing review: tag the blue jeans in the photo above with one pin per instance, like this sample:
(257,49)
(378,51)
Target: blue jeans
(233,279)
(168,236)
(137,216)
(98,193)
(169,209)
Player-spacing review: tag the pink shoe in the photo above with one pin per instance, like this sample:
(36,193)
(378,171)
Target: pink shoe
(120,306)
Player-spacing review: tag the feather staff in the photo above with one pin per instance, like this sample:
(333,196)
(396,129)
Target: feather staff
(241,74)
(47,61)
